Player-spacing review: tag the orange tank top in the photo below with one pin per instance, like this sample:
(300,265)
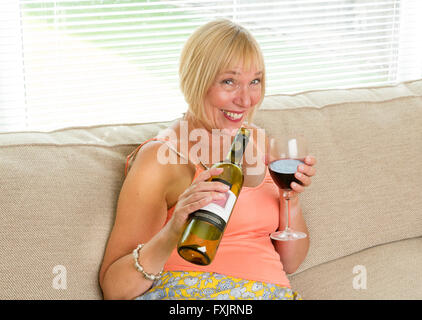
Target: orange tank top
(246,250)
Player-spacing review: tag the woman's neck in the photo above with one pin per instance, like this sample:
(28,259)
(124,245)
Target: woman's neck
(201,136)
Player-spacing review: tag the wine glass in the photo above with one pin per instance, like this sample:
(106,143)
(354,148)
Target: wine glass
(286,153)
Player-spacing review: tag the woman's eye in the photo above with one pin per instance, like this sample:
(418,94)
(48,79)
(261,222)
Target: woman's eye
(228,81)
(256,81)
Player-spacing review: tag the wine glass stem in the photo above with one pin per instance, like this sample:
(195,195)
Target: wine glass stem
(287,213)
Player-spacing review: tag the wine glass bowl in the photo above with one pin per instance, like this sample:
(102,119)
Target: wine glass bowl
(286,153)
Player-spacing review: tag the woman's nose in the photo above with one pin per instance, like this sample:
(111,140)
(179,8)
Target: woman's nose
(243,98)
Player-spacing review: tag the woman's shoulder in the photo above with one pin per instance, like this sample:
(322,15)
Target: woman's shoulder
(148,159)
(152,152)
(156,164)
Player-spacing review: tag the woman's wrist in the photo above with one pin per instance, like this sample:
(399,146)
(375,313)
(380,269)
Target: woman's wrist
(172,234)
(155,253)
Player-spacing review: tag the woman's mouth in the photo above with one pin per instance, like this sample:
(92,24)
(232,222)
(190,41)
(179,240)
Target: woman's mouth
(233,116)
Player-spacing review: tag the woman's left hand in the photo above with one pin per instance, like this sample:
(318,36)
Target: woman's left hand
(304,174)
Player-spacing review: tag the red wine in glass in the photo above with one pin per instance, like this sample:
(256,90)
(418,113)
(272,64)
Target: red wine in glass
(283,172)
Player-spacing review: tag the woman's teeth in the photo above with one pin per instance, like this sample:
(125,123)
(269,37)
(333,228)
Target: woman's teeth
(234,116)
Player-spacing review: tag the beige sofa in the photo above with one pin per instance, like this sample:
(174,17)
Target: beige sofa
(58,195)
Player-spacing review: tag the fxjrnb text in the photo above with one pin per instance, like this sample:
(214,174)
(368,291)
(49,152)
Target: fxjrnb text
(217,309)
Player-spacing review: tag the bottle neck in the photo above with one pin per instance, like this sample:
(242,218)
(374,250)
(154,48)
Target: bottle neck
(235,155)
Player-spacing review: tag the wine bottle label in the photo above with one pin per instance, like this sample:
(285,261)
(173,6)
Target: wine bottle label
(218,212)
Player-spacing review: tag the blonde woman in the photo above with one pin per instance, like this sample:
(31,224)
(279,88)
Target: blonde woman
(222,77)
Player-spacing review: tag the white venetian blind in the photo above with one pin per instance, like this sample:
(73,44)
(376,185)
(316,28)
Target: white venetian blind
(87,62)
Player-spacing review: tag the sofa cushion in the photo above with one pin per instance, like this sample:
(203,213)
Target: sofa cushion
(392,271)
(369,171)
(58,196)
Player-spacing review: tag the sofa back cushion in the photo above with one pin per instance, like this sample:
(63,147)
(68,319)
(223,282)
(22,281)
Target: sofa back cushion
(58,195)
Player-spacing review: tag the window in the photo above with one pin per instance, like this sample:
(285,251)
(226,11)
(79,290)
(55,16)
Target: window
(86,62)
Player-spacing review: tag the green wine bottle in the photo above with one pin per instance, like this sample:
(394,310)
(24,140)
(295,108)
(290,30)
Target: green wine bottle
(205,227)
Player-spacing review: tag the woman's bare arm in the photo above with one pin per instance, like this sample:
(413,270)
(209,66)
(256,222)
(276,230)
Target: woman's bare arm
(141,213)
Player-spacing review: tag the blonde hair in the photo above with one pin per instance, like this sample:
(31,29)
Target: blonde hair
(212,48)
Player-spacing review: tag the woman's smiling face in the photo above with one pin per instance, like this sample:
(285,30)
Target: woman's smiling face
(233,95)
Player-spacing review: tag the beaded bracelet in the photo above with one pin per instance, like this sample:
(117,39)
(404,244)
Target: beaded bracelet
(148,276)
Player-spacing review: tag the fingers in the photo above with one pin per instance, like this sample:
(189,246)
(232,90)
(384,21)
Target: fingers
(205,175)
(199,194)
(202,192)
(193,202)
(307,168)
(184,208)
(310,161)
(201,184)
(296,187)
(304,174)
(208,186)
(197,200)
(304,179)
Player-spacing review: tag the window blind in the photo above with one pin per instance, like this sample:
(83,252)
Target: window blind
(67,63)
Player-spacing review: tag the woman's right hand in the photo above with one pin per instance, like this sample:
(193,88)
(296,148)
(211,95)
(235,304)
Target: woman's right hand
(200,193)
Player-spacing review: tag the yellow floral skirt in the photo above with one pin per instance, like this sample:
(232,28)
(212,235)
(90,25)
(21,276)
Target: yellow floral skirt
(182,285)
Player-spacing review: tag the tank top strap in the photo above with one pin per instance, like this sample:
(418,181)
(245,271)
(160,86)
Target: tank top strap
(165,141)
